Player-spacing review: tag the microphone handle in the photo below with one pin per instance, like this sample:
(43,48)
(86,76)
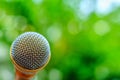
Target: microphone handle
(21,76)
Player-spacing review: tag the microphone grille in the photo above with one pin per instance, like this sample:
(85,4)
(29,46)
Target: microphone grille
(30,50)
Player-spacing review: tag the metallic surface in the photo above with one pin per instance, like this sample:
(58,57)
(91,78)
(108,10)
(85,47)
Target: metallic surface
(30,51)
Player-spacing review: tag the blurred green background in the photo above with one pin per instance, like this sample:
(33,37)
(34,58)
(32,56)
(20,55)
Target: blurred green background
(84,36)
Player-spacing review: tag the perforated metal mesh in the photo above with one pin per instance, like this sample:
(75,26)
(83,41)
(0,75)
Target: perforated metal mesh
(30,50)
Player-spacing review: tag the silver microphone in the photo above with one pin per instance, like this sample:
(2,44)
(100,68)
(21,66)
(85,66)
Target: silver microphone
(30,52)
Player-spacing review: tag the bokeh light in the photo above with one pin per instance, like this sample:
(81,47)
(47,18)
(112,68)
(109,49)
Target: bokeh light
(84,37)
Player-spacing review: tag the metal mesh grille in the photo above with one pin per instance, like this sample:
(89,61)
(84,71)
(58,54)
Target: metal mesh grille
(30,50)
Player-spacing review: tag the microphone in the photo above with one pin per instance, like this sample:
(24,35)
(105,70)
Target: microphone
(29,53)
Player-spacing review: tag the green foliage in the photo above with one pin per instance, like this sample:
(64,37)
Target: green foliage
(83,47)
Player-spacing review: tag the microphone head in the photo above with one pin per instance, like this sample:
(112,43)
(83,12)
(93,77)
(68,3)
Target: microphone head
(30,51)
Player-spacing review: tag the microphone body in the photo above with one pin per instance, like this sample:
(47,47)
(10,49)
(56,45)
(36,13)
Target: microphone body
(30,52)
(21,76)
